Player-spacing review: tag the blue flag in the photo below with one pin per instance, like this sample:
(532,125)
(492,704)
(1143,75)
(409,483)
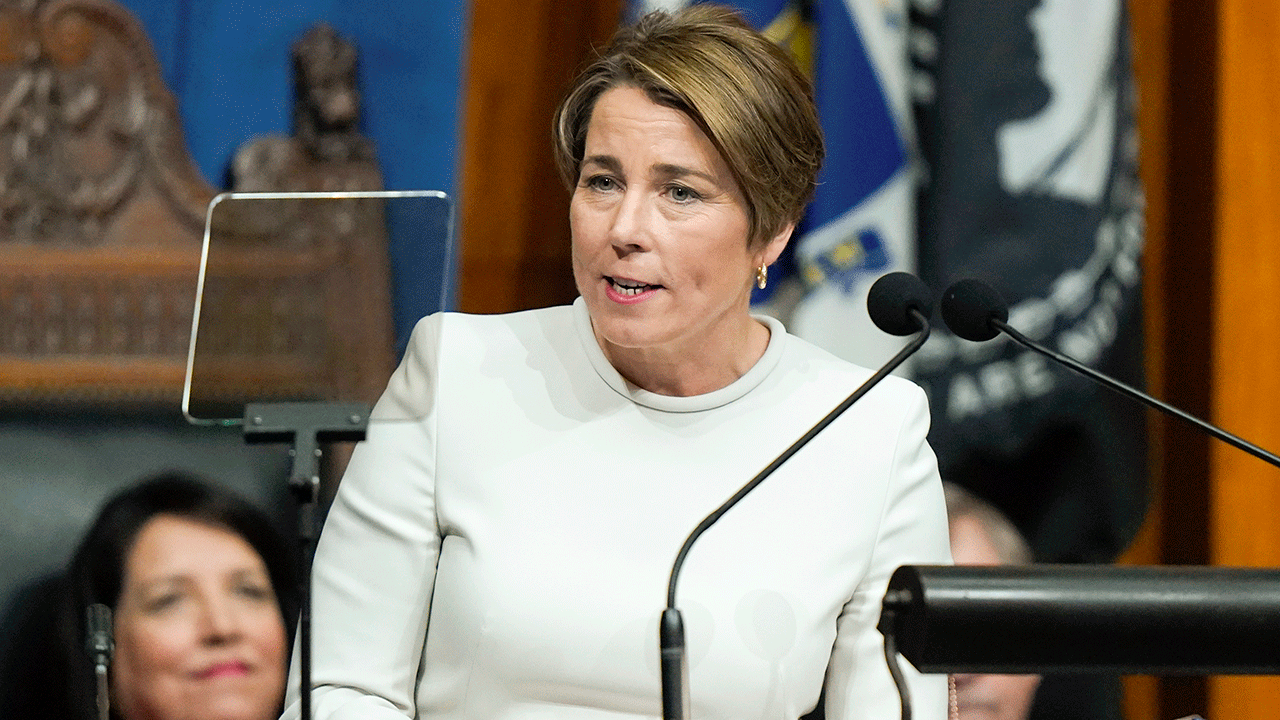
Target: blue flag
(861,223)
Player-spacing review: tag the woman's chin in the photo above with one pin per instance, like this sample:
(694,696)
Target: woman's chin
(630,333)
(238,703)
(239,708)
(615,344)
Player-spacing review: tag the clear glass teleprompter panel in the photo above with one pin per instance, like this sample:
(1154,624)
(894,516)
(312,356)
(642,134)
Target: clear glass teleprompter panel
(294,299)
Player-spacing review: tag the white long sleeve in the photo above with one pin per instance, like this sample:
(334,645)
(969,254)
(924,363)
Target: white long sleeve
(500,549)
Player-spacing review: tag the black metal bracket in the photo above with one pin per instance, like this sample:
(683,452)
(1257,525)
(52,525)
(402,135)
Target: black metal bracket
(305,425)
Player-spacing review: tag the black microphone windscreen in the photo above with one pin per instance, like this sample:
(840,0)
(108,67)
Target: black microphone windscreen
(969,306)
(891,299)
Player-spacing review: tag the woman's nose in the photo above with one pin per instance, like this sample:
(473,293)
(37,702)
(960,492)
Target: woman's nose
(220,620)
(630,227)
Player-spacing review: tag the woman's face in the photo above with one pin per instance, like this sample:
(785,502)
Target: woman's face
(198,632)
(660,232)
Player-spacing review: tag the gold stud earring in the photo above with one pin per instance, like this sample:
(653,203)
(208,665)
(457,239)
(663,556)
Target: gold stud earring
(762,276)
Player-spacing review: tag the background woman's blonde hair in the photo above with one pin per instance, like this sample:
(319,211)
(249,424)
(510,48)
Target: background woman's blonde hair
(743,91)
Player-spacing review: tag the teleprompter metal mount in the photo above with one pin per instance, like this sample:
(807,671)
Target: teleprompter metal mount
(305,425)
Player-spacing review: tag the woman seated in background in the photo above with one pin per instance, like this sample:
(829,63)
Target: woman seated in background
(200,585)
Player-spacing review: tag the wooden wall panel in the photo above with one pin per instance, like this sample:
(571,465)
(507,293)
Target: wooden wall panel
(1208,116)
(1150,33)
(1174,51)
(1246,379)
(514,227)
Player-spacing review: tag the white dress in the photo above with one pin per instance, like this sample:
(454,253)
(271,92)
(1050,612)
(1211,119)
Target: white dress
(500,546)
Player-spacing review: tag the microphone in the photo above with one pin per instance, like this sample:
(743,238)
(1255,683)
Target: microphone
(100,645)
(974,311)
(899,304)
(895,300)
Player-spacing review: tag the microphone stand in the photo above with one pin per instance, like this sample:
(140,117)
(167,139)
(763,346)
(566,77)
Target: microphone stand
(1135,394)
(305,425)
(671,637)
(100,644)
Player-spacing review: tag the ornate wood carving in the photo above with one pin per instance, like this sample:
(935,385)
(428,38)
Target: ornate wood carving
(102,216)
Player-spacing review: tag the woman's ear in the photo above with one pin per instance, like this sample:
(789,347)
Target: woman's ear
(775,245)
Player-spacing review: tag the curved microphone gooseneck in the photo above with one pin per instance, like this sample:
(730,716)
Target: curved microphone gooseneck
(973,310)
(1060,618)
(899,304)
(1046,618)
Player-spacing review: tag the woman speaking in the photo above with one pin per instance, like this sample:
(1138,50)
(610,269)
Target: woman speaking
(499,547)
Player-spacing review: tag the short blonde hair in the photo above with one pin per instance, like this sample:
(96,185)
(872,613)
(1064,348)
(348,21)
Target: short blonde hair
(742,90)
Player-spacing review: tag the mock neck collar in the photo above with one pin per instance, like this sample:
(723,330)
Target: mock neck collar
(671,403)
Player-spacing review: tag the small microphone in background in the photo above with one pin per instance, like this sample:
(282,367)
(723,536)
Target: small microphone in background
(100,645)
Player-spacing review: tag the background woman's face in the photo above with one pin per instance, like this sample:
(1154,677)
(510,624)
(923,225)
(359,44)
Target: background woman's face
(660,230)
(198,631)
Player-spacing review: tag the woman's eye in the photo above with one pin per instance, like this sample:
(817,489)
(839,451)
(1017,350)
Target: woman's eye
(254,591)
(681,194)
(163,602)
(601,182)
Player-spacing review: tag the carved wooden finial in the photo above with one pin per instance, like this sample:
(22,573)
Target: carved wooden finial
(326,111)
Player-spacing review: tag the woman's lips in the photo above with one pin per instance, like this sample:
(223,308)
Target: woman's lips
(626,291)
(225,669)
